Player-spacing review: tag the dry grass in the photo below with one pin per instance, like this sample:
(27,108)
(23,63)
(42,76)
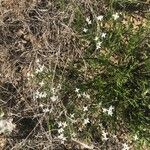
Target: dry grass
(32,30)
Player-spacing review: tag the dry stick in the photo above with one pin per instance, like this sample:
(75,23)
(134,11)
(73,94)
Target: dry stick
(83,144)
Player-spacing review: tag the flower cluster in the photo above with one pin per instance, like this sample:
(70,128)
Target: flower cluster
(115,16)
(125,146)
(102,35)
(40,68)
(100,18)
(80,94)
(88,21)
(104,135)
(109,111)
(38,94)
(61,136)
(54,92)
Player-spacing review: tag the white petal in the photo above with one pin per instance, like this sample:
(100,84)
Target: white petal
(100,18)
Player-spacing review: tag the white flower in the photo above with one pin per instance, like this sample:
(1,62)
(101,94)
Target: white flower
(6,126)
(41,83)
(125,147)
(85,108)
(100,104)
(104,138)
(86,95)
(110,110)
(29,74)
(104,134)
(59,86)
(38,94)
(104,110)
(80,129)
(54,98)
(39,69)
(96,38)
(88,21)
(41,105)
(100,18)
(79,95)
(77,90)
(60,130)
(73,134)
(53,90)
(100,124)
(85,30)
(86,121)
(114,136)
(115,16)
(46,110)
(72,115)
(43,95)
(61,137)
(103,35)
(64,124)
(98,45)
(60,124)
(74,121)
(135,137)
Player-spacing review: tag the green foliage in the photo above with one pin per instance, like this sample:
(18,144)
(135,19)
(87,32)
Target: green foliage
(124,85)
